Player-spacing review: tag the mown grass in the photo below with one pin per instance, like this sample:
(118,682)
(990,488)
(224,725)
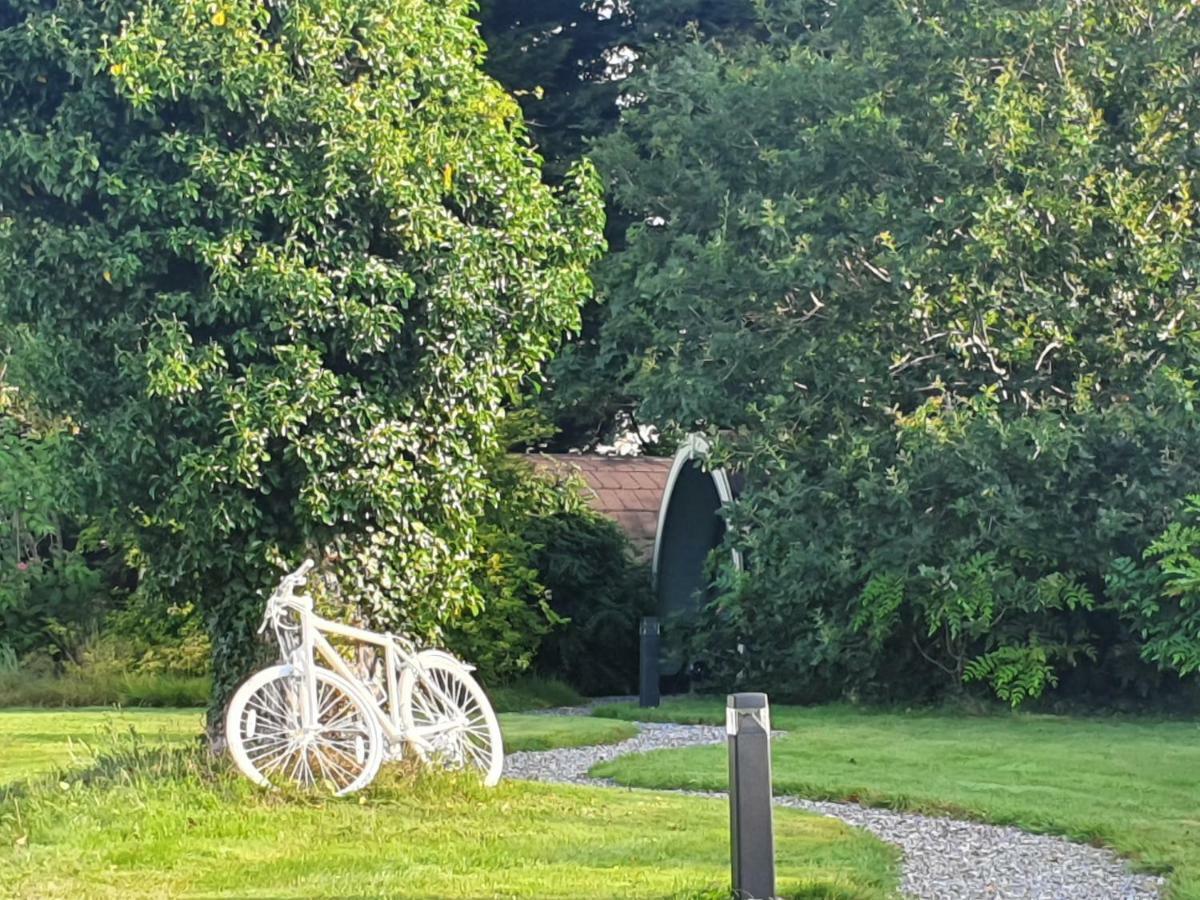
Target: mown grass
(41,740)
(523,731)
(1128,783)
(150,821)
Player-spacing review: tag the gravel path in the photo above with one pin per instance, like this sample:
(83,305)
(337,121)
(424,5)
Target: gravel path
(570,764)
(944,859)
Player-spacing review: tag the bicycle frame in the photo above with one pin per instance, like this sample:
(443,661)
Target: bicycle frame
(313,629)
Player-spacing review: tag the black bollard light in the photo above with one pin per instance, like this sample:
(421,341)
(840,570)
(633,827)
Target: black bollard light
(648,686)
(751,820)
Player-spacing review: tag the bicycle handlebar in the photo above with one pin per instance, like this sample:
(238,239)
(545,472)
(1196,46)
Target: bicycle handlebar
(284,592)
(299,575)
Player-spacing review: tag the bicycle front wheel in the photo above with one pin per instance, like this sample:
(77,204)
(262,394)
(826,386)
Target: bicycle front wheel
(340,753)
(450,717)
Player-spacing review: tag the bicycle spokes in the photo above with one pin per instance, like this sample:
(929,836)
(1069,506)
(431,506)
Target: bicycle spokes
(341,751)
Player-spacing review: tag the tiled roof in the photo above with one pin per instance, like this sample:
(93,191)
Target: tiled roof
(627,489)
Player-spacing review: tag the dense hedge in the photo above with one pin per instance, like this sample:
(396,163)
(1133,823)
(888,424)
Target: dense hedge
(565,593)
(600,591)
(927,273)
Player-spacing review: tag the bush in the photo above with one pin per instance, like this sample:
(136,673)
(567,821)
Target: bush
(926,273)
(587,566)
(1160,602)
(564,595)
(148,636)
(53,594)
(503,636)
(53,604)
(978,621)
(977,550)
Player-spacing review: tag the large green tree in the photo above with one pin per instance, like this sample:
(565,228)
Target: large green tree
(930,269)
(567,61)
(283,264)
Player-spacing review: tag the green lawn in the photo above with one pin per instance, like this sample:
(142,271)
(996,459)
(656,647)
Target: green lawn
(523,731)
(1131,784)
(39,740)
(150,819)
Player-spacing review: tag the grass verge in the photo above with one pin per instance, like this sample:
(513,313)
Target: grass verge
(524,731)
(1128,783)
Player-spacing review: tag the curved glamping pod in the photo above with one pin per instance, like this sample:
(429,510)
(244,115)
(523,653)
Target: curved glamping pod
(689,528)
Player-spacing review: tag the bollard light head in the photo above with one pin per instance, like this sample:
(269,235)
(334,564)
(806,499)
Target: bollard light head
(747,713)
(747,721)
(746,701)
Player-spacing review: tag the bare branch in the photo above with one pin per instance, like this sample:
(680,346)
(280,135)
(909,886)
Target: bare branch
(882,274)
(1053,345)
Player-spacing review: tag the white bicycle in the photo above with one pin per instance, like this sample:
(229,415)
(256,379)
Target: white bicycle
(331,728)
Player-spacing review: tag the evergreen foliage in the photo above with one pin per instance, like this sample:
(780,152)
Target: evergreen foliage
(282,265)
(1162,601)
(927,273)
(51,598)
(601,594)
(567,62)
(566,594)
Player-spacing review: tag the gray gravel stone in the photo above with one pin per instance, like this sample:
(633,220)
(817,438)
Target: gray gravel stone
(948,859)
(570,765)
(943,859)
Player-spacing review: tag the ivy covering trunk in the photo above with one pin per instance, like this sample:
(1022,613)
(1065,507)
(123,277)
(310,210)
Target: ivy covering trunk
(282,265)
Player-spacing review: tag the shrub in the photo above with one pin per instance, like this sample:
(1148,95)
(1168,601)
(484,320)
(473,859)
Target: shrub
(503,638)
(64,592)
(148,636)
(978,621)
(926,272)
(1160,602)
(564,593)
(587,566)
(52,594)
(283,264)
(565,599)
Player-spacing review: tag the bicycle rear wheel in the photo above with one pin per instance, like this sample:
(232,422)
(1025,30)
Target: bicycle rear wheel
(438,691)
(341,753)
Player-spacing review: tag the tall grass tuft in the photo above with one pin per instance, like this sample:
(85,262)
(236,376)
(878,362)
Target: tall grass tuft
(103,689)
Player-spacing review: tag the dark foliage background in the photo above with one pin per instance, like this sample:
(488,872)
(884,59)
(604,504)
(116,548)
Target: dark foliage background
(927,274)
